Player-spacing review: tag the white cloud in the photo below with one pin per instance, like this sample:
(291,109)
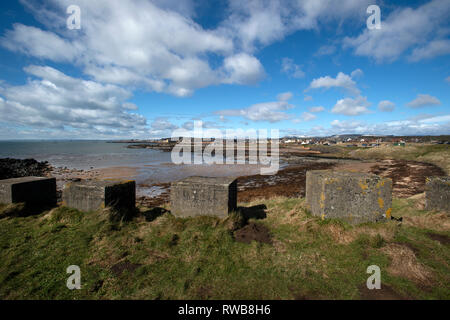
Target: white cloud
(268,111)
(386,106)
(431,50)
(290,68)
(351,107)
(137,44)
(35,42)
(424,100)
(306,116)
(434,125)
(307,98)
(256,23)
(243,69)
(316,109)
(447,79)
(162,124)
(57,101)
(357,73)
(396,37)
(347,126)
(285,96)
(341,81)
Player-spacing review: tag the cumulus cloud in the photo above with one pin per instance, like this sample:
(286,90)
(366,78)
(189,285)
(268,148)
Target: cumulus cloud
(430,126)
(351,107)
(307,98)
(342,80)
(290,68)
(396,38)
(138,44)
(248,21)
(434,125)
(35,42)
(52,99)
(243,69)
(424,100)
(157,45)
(386,106)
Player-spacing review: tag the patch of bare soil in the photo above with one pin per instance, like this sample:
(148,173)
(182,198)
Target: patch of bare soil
(204,292)
(289,182)
(408,177)
(121,267)
(385,293)
(253,232)
(443,239)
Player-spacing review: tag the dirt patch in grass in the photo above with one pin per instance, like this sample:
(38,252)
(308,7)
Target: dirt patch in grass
(408,177)
(253,232)
(404,264)
(443,239)
(121,267)
(385,293)
(204,292)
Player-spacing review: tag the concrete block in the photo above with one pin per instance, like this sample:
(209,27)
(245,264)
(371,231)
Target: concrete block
(94,195)
(350,196)
(197,196)
(437,193)
(35,191)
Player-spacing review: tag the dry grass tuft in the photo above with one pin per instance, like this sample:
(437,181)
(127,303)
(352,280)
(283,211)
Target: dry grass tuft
(429,220)
(342,236)
(404,264)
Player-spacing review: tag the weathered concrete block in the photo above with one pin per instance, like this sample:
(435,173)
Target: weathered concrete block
(350,196)
(437,193)
(36,191)
(197,196)
(94,195)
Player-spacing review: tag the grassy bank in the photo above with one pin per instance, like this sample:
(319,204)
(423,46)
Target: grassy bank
(158,256)
(431,153)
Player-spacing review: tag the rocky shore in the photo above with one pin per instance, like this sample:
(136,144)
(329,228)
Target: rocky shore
(408,177)
(15,168)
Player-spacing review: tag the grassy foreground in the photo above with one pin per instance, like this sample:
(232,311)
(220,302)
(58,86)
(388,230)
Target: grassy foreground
(158,256)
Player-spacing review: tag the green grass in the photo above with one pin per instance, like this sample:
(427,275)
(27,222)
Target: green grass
(198,258)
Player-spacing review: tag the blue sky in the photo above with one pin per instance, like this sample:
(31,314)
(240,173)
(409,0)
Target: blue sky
(141,69)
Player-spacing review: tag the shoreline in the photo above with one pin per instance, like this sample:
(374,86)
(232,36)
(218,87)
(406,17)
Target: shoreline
(408,176)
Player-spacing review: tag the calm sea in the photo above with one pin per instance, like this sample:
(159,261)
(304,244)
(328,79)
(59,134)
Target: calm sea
(82,154)
(153,166)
